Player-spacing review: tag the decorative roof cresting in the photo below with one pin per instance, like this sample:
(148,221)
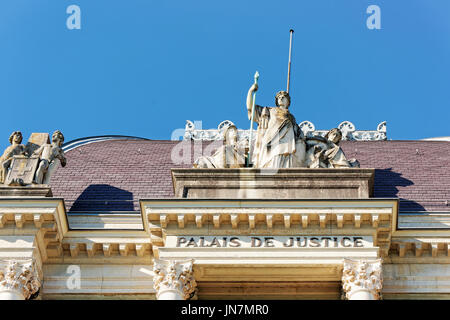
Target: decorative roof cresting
(348,129)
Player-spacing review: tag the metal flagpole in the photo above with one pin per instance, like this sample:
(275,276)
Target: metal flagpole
(291,32)
(249,160)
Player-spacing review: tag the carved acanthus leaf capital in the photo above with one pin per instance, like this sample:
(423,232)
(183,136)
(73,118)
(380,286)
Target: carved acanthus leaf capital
(175,275)
(362,275)
(21,276)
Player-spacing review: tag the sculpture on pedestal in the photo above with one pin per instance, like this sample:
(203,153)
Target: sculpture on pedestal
(26,165)
(49,153)
(230,155)
(15,149)
(326,152)
(279,140)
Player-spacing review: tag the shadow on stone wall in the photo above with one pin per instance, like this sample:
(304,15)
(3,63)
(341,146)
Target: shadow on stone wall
(103,197)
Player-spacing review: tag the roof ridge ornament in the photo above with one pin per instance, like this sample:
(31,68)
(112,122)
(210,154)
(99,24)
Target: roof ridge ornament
(307,127)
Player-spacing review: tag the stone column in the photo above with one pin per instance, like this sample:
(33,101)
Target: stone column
(18,280)
(362,280)
(174,280)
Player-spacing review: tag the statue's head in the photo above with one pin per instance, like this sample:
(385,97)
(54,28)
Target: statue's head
(16,137)
(282,99)
(334,135)
(230,135)
(58,138)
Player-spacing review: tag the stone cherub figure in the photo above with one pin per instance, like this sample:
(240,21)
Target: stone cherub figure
(47,154)
(279,140)
(16,148)
(230,155)
(326,152)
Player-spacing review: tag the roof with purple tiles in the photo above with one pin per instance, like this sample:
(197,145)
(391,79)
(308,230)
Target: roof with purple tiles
(113,174)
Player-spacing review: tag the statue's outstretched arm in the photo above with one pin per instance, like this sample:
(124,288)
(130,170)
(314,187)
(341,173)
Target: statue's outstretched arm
(258,109)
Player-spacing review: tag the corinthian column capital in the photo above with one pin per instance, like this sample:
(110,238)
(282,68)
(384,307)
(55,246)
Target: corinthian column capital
(362,280)
(19,280)
(174,280)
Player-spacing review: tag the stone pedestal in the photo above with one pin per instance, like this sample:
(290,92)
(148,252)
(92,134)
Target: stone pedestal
(362,280)
(295,183)
(174,280)
(41,190)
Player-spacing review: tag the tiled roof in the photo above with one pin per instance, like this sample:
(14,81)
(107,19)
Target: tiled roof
(113,175)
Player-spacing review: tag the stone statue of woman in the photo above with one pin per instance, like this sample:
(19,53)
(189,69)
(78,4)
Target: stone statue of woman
(16,148)
(230,155)
(279,140)
(326,152)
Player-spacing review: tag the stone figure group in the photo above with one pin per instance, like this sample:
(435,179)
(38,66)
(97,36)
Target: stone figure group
(24,165)
(279,142)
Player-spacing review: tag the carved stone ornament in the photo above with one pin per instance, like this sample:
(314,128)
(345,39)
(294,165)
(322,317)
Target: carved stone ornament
(360,276)
(21,277)
(174,276)
(230,155)
(192,132)
(31,164)
(279,141)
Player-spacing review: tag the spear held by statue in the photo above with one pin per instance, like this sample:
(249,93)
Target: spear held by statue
(254,88)
(250,143)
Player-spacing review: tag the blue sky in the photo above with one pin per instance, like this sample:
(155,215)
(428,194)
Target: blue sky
(143,67)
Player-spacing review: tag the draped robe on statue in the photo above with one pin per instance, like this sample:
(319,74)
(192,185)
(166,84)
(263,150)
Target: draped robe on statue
(336,157)
(327,154)
(227,156)
(280,144)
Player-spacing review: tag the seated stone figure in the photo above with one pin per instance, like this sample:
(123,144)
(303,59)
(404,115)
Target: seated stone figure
(230,155)
(326,152)
(48,153)
(15,149)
